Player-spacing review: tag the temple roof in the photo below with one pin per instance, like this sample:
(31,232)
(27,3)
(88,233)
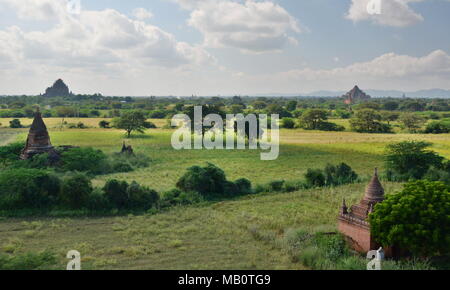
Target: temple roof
(374,190)
(38,124)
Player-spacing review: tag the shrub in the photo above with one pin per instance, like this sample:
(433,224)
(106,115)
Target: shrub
(11,152)
(415,219)
(276,185)
(76,190)
(244,186)
(116,193)
(177,197)
(141,198)
(410,160)
(85,160)
(437,127)
(287,123)
(207,181)
(97,201)
(339,174)
(28,261)
(315,178)
(15,123)
(27,188)
(104,124)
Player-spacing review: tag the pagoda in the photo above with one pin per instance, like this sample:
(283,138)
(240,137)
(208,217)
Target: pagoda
(353,222)
(355,95)
(38,140)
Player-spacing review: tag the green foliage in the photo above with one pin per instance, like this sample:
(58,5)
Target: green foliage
(287,123)
(410,160)
(15,123)
(412,122)
(76,190)
(85,160)
(415,219)
(116,193)
(207,181)
(438,127)
(11,152)
(368,121)
(130,196)
(27,188)
(339,174)
(131,121)
(104,124)
(176,197)
(28,261)
(313,118)
(244,186)
(315,178)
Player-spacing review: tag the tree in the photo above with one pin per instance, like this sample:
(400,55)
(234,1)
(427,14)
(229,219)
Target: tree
(76,190)
(412,122)
(389,116)
(415,219)
(288,123)
(131,121)
(291,105)
(390,106)
(15,123)
(259,105)
(410,160)
(104,124)
(312,119)
(207,181)
(368,121)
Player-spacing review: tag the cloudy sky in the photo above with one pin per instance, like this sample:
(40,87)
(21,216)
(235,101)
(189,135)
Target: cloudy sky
(223,47)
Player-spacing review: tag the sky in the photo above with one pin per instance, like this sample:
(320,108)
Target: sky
(223,47)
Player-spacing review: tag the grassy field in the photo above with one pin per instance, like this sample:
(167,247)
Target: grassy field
(239,234)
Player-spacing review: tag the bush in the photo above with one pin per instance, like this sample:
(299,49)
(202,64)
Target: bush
(315,178)
(116,193)
(410,160)
(287,123)
(97,201)
(28,261)
(85,160)
(27,188)
(339,174)
(207,181)
(276,185)
(76,190)
(244,186)
(415,219)
(437,128)
(141,198)
(177,197)
(15,123)
(11,152)
(104,124)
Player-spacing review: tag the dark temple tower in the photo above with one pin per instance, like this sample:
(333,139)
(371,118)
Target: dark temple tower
(38,140)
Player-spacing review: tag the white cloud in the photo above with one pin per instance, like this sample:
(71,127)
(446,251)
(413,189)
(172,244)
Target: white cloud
(95,40)
(142,14)
(395,13)
(247,25)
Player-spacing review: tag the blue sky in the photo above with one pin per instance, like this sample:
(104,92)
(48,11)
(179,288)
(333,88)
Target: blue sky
(223,47)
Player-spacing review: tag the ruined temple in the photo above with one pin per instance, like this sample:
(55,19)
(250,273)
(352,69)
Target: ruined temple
(127,149)
(59,89)
(38,140)
(353,223)
(355,95)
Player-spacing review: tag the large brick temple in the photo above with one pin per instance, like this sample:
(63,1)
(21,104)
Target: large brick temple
(353,222)
(38,140)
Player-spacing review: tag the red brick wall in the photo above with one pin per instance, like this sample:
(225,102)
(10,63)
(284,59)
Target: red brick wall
(359,237)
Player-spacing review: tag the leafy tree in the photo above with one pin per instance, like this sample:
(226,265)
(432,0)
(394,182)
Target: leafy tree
(277,109)
(259,105)
(315,178)
(410,160)
(437,127)
(313,118)
(415,219)
(131,121)
(76,190)
(339,174)
(85,160)
(207,180)
(15,123)
(368,121)
(412,122)
(390,106)
(116,193)
(104,124)
(288,123)
(291,105)
(236,109)
(389,116)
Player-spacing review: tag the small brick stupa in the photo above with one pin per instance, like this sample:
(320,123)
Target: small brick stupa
(38,140)
(353,223)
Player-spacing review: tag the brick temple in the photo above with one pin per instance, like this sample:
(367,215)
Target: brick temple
(38,140)
(353,222)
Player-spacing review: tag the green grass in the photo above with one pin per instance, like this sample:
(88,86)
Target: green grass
(239,234)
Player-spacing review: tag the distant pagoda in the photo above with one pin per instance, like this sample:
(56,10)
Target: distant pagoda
(355,95)
(353,223)
(58,89)
(38,140)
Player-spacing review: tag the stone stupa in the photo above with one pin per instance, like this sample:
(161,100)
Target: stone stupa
(38,140)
